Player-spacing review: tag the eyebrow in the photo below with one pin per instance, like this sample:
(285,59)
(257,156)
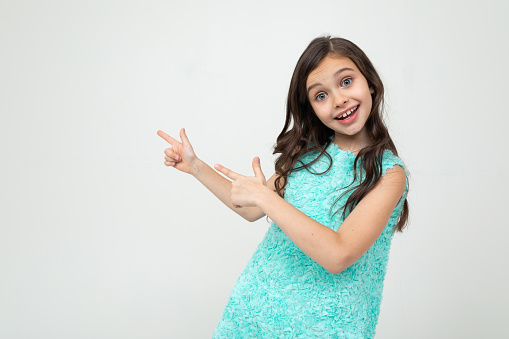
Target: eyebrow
(335,75)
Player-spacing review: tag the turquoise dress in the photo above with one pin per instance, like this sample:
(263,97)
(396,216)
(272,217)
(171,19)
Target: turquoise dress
(282,293)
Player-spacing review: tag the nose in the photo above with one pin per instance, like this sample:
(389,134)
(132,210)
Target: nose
(340,100)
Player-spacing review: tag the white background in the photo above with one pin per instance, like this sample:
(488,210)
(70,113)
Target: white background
(100,240)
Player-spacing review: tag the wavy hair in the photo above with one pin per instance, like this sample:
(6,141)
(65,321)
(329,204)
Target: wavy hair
(303,132)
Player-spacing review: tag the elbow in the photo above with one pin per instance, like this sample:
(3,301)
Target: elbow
(336,269)
(251,218)
(251,215)
(341,262)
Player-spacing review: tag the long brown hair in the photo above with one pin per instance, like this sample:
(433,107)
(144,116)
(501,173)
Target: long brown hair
(303,132)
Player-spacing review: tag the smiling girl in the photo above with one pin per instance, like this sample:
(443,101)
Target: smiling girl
(337,197)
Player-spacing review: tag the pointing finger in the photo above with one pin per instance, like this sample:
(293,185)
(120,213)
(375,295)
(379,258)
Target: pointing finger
(169,139)
(230,174)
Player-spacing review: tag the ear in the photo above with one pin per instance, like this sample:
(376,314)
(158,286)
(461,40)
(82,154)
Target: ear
(371,90)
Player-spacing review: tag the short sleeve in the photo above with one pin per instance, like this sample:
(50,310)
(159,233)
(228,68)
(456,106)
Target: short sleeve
(389,161)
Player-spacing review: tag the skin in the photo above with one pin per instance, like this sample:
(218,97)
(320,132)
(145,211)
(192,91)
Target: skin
(334,87)
(252,197)
(181,156)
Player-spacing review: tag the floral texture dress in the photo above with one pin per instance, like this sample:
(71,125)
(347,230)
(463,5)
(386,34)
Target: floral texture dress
(282,293)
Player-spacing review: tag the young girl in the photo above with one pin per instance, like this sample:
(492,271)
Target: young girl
(336,198)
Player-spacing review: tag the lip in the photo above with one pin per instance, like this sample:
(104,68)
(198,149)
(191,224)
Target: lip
(351,118)
(346,110)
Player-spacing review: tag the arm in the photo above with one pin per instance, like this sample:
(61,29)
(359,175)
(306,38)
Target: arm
(182,157)
(333,250)
(221,188)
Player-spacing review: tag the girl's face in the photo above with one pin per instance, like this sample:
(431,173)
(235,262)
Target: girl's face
(341,97)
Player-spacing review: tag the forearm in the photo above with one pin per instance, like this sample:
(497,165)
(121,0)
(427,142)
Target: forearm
(221,188)
(319,242)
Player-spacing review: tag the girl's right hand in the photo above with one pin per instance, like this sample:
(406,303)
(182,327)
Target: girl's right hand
(181,154)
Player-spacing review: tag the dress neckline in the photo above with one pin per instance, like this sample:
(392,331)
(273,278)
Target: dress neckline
(338,150)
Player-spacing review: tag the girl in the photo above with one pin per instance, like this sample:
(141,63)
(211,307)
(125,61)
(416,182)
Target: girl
(336,198)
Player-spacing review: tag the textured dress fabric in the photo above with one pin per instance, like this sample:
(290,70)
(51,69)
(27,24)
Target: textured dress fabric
(282,293)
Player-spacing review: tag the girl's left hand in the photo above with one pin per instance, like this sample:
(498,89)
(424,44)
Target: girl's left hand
(246,191)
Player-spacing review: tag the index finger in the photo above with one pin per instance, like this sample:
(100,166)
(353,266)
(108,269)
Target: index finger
(229,173)
(166,137)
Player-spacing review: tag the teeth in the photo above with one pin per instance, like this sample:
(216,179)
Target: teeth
(347,113)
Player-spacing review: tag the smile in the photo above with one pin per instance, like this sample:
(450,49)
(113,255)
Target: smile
(347,113)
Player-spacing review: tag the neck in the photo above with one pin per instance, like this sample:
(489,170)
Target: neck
(352,143)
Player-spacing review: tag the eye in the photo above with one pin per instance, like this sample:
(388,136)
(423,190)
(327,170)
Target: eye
(346,82)
(321,96)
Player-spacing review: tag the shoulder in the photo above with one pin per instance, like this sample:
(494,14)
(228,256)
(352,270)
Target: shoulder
(395,177)
(393,162)
(394,174)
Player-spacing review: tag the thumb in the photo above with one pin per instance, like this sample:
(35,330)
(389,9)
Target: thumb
(258,169)
(183,137)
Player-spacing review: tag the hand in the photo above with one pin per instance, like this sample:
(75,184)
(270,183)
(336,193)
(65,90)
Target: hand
(246,191)
(181,154)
